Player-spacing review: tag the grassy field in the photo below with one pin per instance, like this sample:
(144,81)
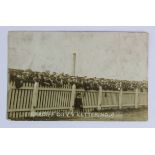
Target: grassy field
(106,115)
(140,114)
(111,115)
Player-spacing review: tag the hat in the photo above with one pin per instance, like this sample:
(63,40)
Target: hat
(78,94)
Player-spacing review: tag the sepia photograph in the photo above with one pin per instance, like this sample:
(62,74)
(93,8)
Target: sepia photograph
(77,76)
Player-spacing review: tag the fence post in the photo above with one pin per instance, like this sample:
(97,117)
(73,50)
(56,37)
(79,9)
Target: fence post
(99,98)
(136,98)
(34,99)
(9,92)
(72,97)
(9,95)
(120,99)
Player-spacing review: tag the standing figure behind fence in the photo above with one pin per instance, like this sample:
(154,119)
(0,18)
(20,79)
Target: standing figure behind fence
(78,105)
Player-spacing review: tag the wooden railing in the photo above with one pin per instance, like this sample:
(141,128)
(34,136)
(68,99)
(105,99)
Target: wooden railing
(31,98)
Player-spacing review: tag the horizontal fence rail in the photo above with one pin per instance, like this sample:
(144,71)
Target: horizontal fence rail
(31,98)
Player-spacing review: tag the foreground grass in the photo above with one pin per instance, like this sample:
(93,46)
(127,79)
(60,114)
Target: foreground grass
(140,114)
(113,115)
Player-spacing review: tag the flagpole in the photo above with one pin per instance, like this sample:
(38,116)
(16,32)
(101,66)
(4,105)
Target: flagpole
(74,64)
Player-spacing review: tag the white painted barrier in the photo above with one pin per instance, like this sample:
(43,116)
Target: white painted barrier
(31,98)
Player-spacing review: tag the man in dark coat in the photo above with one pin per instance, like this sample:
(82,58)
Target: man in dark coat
(78,103)
(18,81)
(86,85)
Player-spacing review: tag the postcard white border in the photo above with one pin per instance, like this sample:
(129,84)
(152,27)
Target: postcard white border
(76,124)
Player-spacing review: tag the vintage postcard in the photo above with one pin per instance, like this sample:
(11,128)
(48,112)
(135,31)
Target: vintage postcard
(77,76)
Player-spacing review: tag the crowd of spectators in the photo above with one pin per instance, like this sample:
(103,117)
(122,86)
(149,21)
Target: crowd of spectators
(47,79)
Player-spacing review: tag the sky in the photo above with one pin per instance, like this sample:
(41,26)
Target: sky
(116,55)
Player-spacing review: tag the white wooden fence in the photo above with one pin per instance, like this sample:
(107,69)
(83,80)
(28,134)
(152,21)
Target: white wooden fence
(23,102)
